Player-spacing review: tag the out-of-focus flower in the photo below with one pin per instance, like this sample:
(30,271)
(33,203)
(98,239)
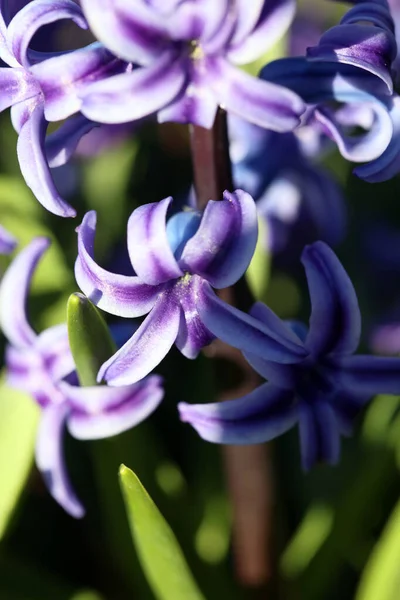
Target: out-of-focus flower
(42,365)
(42,87)
(324,392)
(187,51)
(176,264)
(281,173)
(7,241)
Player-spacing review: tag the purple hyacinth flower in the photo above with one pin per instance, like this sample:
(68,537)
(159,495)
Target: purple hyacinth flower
(324,392)
(188,51)
(42,365)
(7,241)
(44,86)
(176,264)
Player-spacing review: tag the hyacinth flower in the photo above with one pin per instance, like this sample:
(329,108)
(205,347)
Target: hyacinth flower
(296,197)
(187,52)
(42,87)
(324,392)
(42,365)
(7,241)
(176,263)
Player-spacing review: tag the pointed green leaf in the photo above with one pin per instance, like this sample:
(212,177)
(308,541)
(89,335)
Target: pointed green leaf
(158,550)
(89,338)
(18,424)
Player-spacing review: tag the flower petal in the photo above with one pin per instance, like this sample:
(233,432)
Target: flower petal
(148,346)
(260,102)
(222,248)
(50,459)
(103,411)
(153,88)
(119,295)
(260,416)
(148,247)
(367,375)
(246,333)
(335,322)
(16,85)
(62,143)
(192,335)
(53,346)
(34,166)
(319,434)
(35,15)
(14,289)
(7,241)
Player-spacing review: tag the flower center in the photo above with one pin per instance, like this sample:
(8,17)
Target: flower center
(196,52)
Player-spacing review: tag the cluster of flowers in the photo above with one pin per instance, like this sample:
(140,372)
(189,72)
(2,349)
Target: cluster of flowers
(177,60)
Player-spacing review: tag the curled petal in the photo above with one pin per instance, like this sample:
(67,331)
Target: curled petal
(16,85)
(246,333)
(7,241)
(319,434)
(375,12)
(34,15)
(148,346)
(119,295)
(367,375)
(135,94)
(335,322)
(260,102)
(260,416)
(34,166)
(13,293)
(272,22)
(53,346)
(62,143)
(222,248)
(103,411)
(50,459)
(148,247)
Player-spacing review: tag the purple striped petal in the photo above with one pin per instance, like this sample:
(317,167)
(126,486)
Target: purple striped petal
(16,85)
(275,18)
(246,333)
(367,375)
(8,242)
(13,293)
(53,346)
(260,416)
(102,411)
(50,459)
(62,143)
(119,295)
(247,16)
(192,335)
(153,88)
(222,248)
(319,434)
(148,247)
(34,166)
(35,15)
(335,322)
(148,346)
(79,68)
(260,102)
(133,32)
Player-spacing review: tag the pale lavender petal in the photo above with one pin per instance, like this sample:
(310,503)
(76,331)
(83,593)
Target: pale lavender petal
(192,335)
(246,333)
(368,375)
(119,295)
(272,23)
(53,346)
(34,166)
(14,289)
(135,94)
(50,459)
(34,15)
(261,102)
(7,241)
(105,411)
(80,68)
(319,434)
(335,322)
(247,16)
(133,32)
(148,247)
(222,248)
(16,85)
(215,15)
(148,346)
(61,144)
(260,416)
(23,365)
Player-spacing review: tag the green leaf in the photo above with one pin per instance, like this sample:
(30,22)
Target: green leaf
(158,550)
(86,595)
(381,577)
(18,424)
(89,338)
